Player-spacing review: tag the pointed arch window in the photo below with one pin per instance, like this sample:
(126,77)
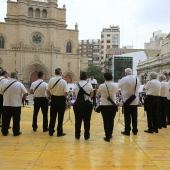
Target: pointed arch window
(30,12)
(37,13)
(69,47)
(2,42)
(44,13)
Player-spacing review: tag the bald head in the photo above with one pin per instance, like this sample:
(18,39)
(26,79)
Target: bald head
(128,71)
(162,78)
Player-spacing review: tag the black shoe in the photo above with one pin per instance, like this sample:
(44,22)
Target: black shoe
(148,131)
(111,136)
(17,134)
(50,134)
(34,129)
(164,126)
(63,134)
(5,134)
(45,130)
(106,139)
(159,127)
(86,138)
(135,133)
(77,137)
(125,133)
(156,131)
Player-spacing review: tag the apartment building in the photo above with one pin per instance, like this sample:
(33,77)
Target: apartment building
(90,49)
(156,40)
(110,38)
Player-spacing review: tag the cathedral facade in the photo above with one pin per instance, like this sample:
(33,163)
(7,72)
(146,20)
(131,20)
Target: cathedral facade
(34,37)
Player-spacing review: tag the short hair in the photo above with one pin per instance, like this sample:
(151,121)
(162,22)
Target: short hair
(58,71)
(153,75)
(128,71)
(3,72)
(91,74)
(169,74)
(108,76)
(83,76)
(13,75)
(163,77)
(40,74)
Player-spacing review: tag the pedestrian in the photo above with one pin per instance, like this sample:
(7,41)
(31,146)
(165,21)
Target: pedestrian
(108,110)
(58,91)
(129,85)
(152,89)
(39,89)
(84,113)
(3,78)
(13,92)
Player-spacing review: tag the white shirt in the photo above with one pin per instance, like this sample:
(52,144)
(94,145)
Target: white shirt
(127,86)
(60,88)
(88,88)
(169,90)
(41,90)
(94,81)
(153,87)
(2,81)
(164,92)
(113,89)
(13,95)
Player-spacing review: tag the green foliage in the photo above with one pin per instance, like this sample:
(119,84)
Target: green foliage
(96,70)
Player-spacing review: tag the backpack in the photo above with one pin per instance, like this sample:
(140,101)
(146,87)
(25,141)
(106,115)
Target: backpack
(81,104)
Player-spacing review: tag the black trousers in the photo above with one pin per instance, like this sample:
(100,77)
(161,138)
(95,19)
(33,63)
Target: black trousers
(131,114)
(108,114)
(58,104)
(162,112)
(168,111)
(40,102)
(1,106)
(152,112)
(85,116)
(8,113)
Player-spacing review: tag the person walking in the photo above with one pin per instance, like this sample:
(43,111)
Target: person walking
(13,91)
(58,91)
(39,89)
(108,110)
(129,85)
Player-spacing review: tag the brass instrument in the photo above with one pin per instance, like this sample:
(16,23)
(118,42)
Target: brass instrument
(95,86)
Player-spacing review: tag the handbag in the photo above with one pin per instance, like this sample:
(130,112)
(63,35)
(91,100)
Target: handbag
(98,109)
(131,98)
(81,104)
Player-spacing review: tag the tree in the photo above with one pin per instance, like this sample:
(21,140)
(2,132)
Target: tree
(96,70)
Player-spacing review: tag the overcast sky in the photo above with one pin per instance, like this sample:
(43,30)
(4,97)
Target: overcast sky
(137,19)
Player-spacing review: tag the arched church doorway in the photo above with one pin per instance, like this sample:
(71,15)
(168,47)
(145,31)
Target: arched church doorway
(30,74)
(34,76)
(68,79)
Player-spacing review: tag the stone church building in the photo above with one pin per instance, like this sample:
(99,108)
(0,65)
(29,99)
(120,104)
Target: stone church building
(34,37)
